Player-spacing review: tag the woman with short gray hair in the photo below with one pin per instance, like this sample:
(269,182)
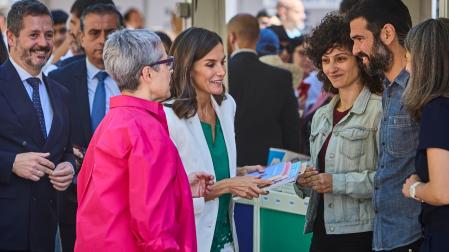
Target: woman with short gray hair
(128,52)
(133,193)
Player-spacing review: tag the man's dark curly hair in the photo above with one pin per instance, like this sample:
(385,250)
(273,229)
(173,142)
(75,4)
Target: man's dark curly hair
(334,32)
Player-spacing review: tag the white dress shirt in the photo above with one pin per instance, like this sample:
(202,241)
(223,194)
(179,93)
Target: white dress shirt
(43,94)
(92,82)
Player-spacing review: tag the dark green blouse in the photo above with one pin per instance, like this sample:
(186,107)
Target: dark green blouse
(219,154)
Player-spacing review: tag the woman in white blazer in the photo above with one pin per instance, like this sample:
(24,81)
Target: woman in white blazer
(201,123)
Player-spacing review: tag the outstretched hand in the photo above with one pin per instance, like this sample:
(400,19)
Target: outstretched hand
(248,187)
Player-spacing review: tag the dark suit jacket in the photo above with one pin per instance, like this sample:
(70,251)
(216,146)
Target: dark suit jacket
(74,77)
(28,209)
(267,111)
(65,62)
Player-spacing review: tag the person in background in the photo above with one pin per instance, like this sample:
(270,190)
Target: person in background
(268,47)
(267,112)
(60,33)
(343,145)
(71,49)
(265,20)
(311,87)
(36,160)
(133,192)
(311,95)
(378,29)
(3,28)
(133,19)
(90,88)
(166,40)
(3,50)
(201,123)
(292,15)
(59,26)
(427,99)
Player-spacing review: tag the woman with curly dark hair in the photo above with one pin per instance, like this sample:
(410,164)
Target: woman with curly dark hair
(343,144)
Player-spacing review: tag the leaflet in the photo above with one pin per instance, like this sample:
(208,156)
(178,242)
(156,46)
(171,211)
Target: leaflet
(281,173)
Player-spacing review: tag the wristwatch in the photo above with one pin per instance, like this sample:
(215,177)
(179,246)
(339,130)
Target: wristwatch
(412,191)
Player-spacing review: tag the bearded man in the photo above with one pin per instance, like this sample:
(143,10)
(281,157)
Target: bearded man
(36,159)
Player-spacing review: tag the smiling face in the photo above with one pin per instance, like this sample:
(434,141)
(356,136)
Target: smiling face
(95,31)
(32,48)
(377,58)
(208,72)
(363,39)
(340,67)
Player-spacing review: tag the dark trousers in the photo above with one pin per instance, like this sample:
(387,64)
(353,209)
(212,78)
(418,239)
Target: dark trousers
(68,233)
(357,242)
(412,247)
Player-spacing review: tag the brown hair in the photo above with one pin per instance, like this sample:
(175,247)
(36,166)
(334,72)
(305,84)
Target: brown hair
(190,46)
(428,46)
(21,9)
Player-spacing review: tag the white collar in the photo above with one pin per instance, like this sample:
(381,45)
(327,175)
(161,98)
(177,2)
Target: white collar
(293,33)
(92,70)
(23,74)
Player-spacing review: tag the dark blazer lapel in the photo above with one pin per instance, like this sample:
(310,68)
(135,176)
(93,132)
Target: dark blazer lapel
(57,107)
(83,100)
(16,95)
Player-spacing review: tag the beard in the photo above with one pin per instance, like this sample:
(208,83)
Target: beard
(28,57)
(380,61)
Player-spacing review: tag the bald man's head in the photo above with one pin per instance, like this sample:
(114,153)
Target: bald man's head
(291,13)
(243,29)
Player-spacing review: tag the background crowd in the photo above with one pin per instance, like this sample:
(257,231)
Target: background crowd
(116,138)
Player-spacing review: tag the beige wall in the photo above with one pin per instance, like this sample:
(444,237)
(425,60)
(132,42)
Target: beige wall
(420,10)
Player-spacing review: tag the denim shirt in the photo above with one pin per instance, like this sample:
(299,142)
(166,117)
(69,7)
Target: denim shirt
(351,159)
(396,223)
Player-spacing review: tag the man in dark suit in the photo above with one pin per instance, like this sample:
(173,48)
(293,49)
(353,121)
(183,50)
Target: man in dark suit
(35,155)
(71,49)
(90,89)
(267,114)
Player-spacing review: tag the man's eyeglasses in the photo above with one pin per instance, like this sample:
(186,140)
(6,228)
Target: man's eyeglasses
(168,61)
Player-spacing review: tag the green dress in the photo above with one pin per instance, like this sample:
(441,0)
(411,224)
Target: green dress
(219,154)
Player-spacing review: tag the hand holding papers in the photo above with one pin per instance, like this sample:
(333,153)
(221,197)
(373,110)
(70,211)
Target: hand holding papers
(281,173)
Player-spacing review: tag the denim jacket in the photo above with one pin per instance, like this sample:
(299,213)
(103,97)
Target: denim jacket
(397,218)
(351,158)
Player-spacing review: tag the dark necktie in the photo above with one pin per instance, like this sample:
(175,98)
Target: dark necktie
(34,83)
(99,104)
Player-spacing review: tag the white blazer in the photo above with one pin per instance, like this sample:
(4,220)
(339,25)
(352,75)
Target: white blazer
(188,136)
